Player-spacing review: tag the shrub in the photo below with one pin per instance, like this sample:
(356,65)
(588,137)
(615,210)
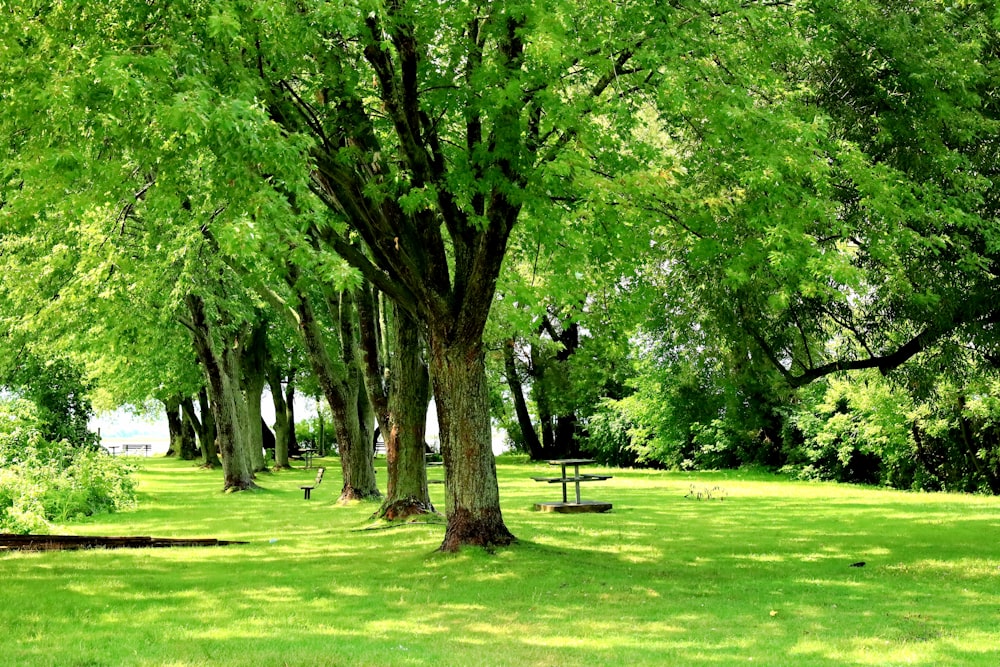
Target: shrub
(43,481)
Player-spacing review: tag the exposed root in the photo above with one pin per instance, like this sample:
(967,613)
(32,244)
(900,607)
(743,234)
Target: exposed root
(402,509)
(487,531)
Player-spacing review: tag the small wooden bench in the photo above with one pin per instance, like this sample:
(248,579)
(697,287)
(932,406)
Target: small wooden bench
(307,488)
(133,447)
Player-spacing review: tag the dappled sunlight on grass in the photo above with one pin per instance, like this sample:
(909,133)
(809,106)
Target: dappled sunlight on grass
(761,577)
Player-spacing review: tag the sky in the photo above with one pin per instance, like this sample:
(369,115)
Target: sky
(124,426)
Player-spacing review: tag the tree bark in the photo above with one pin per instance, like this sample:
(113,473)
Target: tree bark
(189,442)
(341,387)
(204,428)
(281,430)
(207,433)
(253,362)
(175,426)
(408,395)
(222,369)
(293,442)
(472,496)
(371,352)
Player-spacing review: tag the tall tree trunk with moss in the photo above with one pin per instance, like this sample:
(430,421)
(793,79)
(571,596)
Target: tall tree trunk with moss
(401,396)
(409,394)
(472,497)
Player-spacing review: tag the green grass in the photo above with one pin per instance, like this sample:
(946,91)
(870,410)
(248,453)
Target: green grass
(761,577)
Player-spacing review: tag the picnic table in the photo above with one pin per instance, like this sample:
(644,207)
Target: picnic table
(307,454)
(579,505)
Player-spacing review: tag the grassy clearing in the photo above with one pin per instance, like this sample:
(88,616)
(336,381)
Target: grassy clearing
(762,577)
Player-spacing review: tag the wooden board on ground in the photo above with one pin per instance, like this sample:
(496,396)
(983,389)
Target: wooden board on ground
(10,542)
(574,508)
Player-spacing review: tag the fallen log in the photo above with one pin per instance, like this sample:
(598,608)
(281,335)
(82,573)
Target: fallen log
(10,542)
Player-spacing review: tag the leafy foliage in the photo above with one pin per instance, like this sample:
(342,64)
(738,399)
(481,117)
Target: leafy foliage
(59,394)
(44,481)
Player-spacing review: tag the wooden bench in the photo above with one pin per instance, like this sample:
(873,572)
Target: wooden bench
(307,488)
(144,448)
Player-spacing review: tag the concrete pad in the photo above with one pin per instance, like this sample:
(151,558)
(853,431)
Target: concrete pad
(574,508)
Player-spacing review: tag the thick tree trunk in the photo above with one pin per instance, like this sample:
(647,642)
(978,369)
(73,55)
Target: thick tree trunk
(528,433)
(408,396)
(280,420)
(472,497)
(228,406)
(353,446)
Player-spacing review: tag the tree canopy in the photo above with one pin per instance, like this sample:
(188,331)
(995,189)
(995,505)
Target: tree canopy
(678,214)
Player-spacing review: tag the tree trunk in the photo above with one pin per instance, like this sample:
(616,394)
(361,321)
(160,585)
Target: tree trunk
(353,445)
(472,497)
(208,433)
(341,387)
(293,442)
(203,427)
(371,353)
(280,420)
(566,443)
(254,362)
(175,426)
(528,433)
(253,393)
(189,442)
(228,407)
(408,395)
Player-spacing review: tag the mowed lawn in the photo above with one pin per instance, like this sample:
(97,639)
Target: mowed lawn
(761,577)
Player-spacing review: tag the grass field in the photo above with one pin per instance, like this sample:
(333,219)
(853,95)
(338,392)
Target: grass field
(762,577)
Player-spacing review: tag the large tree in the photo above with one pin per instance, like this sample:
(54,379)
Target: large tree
(838,211)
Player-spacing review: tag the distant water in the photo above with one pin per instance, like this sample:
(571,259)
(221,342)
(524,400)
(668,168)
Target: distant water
(159,444)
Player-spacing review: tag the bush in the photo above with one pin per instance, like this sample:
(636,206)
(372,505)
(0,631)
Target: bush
(609,438)
(43,481)
(853,429)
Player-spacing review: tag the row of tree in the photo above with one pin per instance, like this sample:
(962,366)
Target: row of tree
(379,193)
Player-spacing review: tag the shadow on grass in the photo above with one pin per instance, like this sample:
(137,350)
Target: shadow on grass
(764,576)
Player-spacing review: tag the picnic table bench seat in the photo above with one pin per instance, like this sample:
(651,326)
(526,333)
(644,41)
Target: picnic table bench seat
(581,478)
(307,488)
